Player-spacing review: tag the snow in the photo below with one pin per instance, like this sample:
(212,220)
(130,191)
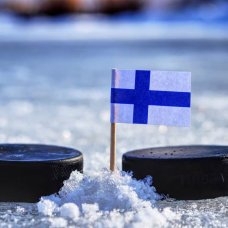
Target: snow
(107,199)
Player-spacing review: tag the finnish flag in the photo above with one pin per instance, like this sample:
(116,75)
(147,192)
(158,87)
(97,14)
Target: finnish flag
(151,97)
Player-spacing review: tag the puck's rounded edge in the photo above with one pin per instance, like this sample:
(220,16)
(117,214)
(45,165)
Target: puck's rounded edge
(27,181)
(184,178)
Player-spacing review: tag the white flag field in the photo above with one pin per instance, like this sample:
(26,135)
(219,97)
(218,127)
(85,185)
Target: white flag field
(151,97)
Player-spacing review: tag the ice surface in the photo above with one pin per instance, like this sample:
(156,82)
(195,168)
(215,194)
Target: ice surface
(58,93)
(81,28)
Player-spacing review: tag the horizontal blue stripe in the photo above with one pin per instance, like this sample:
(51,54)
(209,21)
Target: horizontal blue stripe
(151,97)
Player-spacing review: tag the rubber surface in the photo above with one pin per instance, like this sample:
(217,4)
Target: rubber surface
(29,171)
(182,172)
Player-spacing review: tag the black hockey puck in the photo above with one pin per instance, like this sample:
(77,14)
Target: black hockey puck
(29,171)
(182,172)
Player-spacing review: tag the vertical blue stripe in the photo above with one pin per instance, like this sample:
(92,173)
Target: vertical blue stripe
(142,85)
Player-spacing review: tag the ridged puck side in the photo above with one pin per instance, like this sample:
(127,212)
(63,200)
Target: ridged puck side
(29,171)
(182,172)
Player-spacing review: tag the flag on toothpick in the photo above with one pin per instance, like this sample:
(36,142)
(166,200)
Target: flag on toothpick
(151,97)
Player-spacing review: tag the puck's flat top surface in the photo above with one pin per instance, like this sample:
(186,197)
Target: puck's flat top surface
(179,152)
(35,152)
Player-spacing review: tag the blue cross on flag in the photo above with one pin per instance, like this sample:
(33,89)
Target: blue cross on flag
(151,97)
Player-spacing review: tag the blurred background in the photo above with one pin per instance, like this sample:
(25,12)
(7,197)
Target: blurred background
(130,19)
(201,9)
(56,58)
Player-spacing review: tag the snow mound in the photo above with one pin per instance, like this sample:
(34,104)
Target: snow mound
(106,199)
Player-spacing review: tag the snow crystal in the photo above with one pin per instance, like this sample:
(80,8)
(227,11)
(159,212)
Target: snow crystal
(69,210)
(57,222)
(46,207)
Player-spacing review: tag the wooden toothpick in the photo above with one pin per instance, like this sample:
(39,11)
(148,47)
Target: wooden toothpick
(113,147)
